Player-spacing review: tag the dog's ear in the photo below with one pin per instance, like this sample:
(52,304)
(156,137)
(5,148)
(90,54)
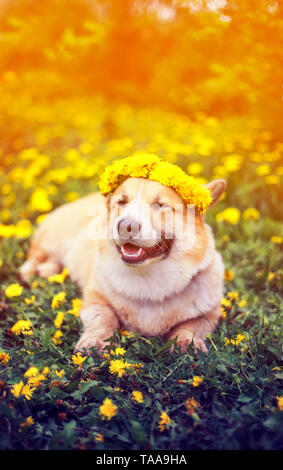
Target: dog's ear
(216,188)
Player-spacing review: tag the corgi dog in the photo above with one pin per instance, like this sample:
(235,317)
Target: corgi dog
(154,271)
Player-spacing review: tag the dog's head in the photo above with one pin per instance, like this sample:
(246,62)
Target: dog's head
(150,221)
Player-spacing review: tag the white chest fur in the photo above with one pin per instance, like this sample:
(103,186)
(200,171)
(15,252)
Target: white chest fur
(153,300)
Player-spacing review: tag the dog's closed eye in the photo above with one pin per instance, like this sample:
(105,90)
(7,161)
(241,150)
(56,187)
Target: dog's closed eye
(161,205)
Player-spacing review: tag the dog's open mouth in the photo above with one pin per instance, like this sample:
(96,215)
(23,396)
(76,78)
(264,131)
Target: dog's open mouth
(133,254)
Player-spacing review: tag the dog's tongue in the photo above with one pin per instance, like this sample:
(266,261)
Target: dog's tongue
(131,249)
(131,252)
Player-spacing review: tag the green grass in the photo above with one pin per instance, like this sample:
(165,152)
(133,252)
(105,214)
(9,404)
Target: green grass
(238,405)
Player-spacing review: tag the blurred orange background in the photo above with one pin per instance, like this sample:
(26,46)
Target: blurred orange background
(217,57)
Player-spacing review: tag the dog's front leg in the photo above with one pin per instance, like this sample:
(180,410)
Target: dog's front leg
(99,322)
(195,330)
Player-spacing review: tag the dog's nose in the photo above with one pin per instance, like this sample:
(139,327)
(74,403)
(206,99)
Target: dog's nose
(128,228)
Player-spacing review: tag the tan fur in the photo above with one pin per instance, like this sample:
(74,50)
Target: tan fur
(178,296)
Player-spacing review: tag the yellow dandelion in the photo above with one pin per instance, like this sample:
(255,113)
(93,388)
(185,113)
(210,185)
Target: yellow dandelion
(59,319)
(164,421)
(56,337)
(226,302)
(152,167)
(119,351)
(271,276)
(229,275)
(59,373)
(197,380)
(59,278)
(78,359)
(125,332)
(233,296)
(76,307)
(191,405)
(4,358)
(19,389)
(37,380)
(13,290)
(137,396)
(28,422)
(280,403)
(58,299)
(251,214)
(27,391)
(30,300)
(108,410)
(31,372)
(118,366)
(239,338)
(223,313)
(22,326)
(195,168)
(276,239)
(39,201)
(230,215)
(263,169)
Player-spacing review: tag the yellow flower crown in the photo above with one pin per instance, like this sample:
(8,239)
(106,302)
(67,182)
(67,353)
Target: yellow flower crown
(152,167)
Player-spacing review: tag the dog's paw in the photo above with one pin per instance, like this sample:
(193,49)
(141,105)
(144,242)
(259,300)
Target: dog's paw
(185,338)
(88,341)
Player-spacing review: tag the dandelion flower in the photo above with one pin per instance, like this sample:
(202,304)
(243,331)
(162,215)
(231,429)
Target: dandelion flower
(191,405)
(37,380)
(59,278)
(119,351)
(13,290)
(59,319)
(251,214)
(59,373)
(126,333)
(108,410)
(229,275)
(280,403)
(58,334)
(164,421)
(76,307)
(242,303)
(276,239)
(28,422)
(197,381)
(30,300)
(4,358)
(19,389)
(22,326)
(239,338)
(118,366)
(137,396)
(230,215)
(78,359)
(58,299)
(152,167)
(31,372)
(40,201)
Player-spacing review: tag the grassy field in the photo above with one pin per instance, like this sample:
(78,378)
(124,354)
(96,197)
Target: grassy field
(137,395)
